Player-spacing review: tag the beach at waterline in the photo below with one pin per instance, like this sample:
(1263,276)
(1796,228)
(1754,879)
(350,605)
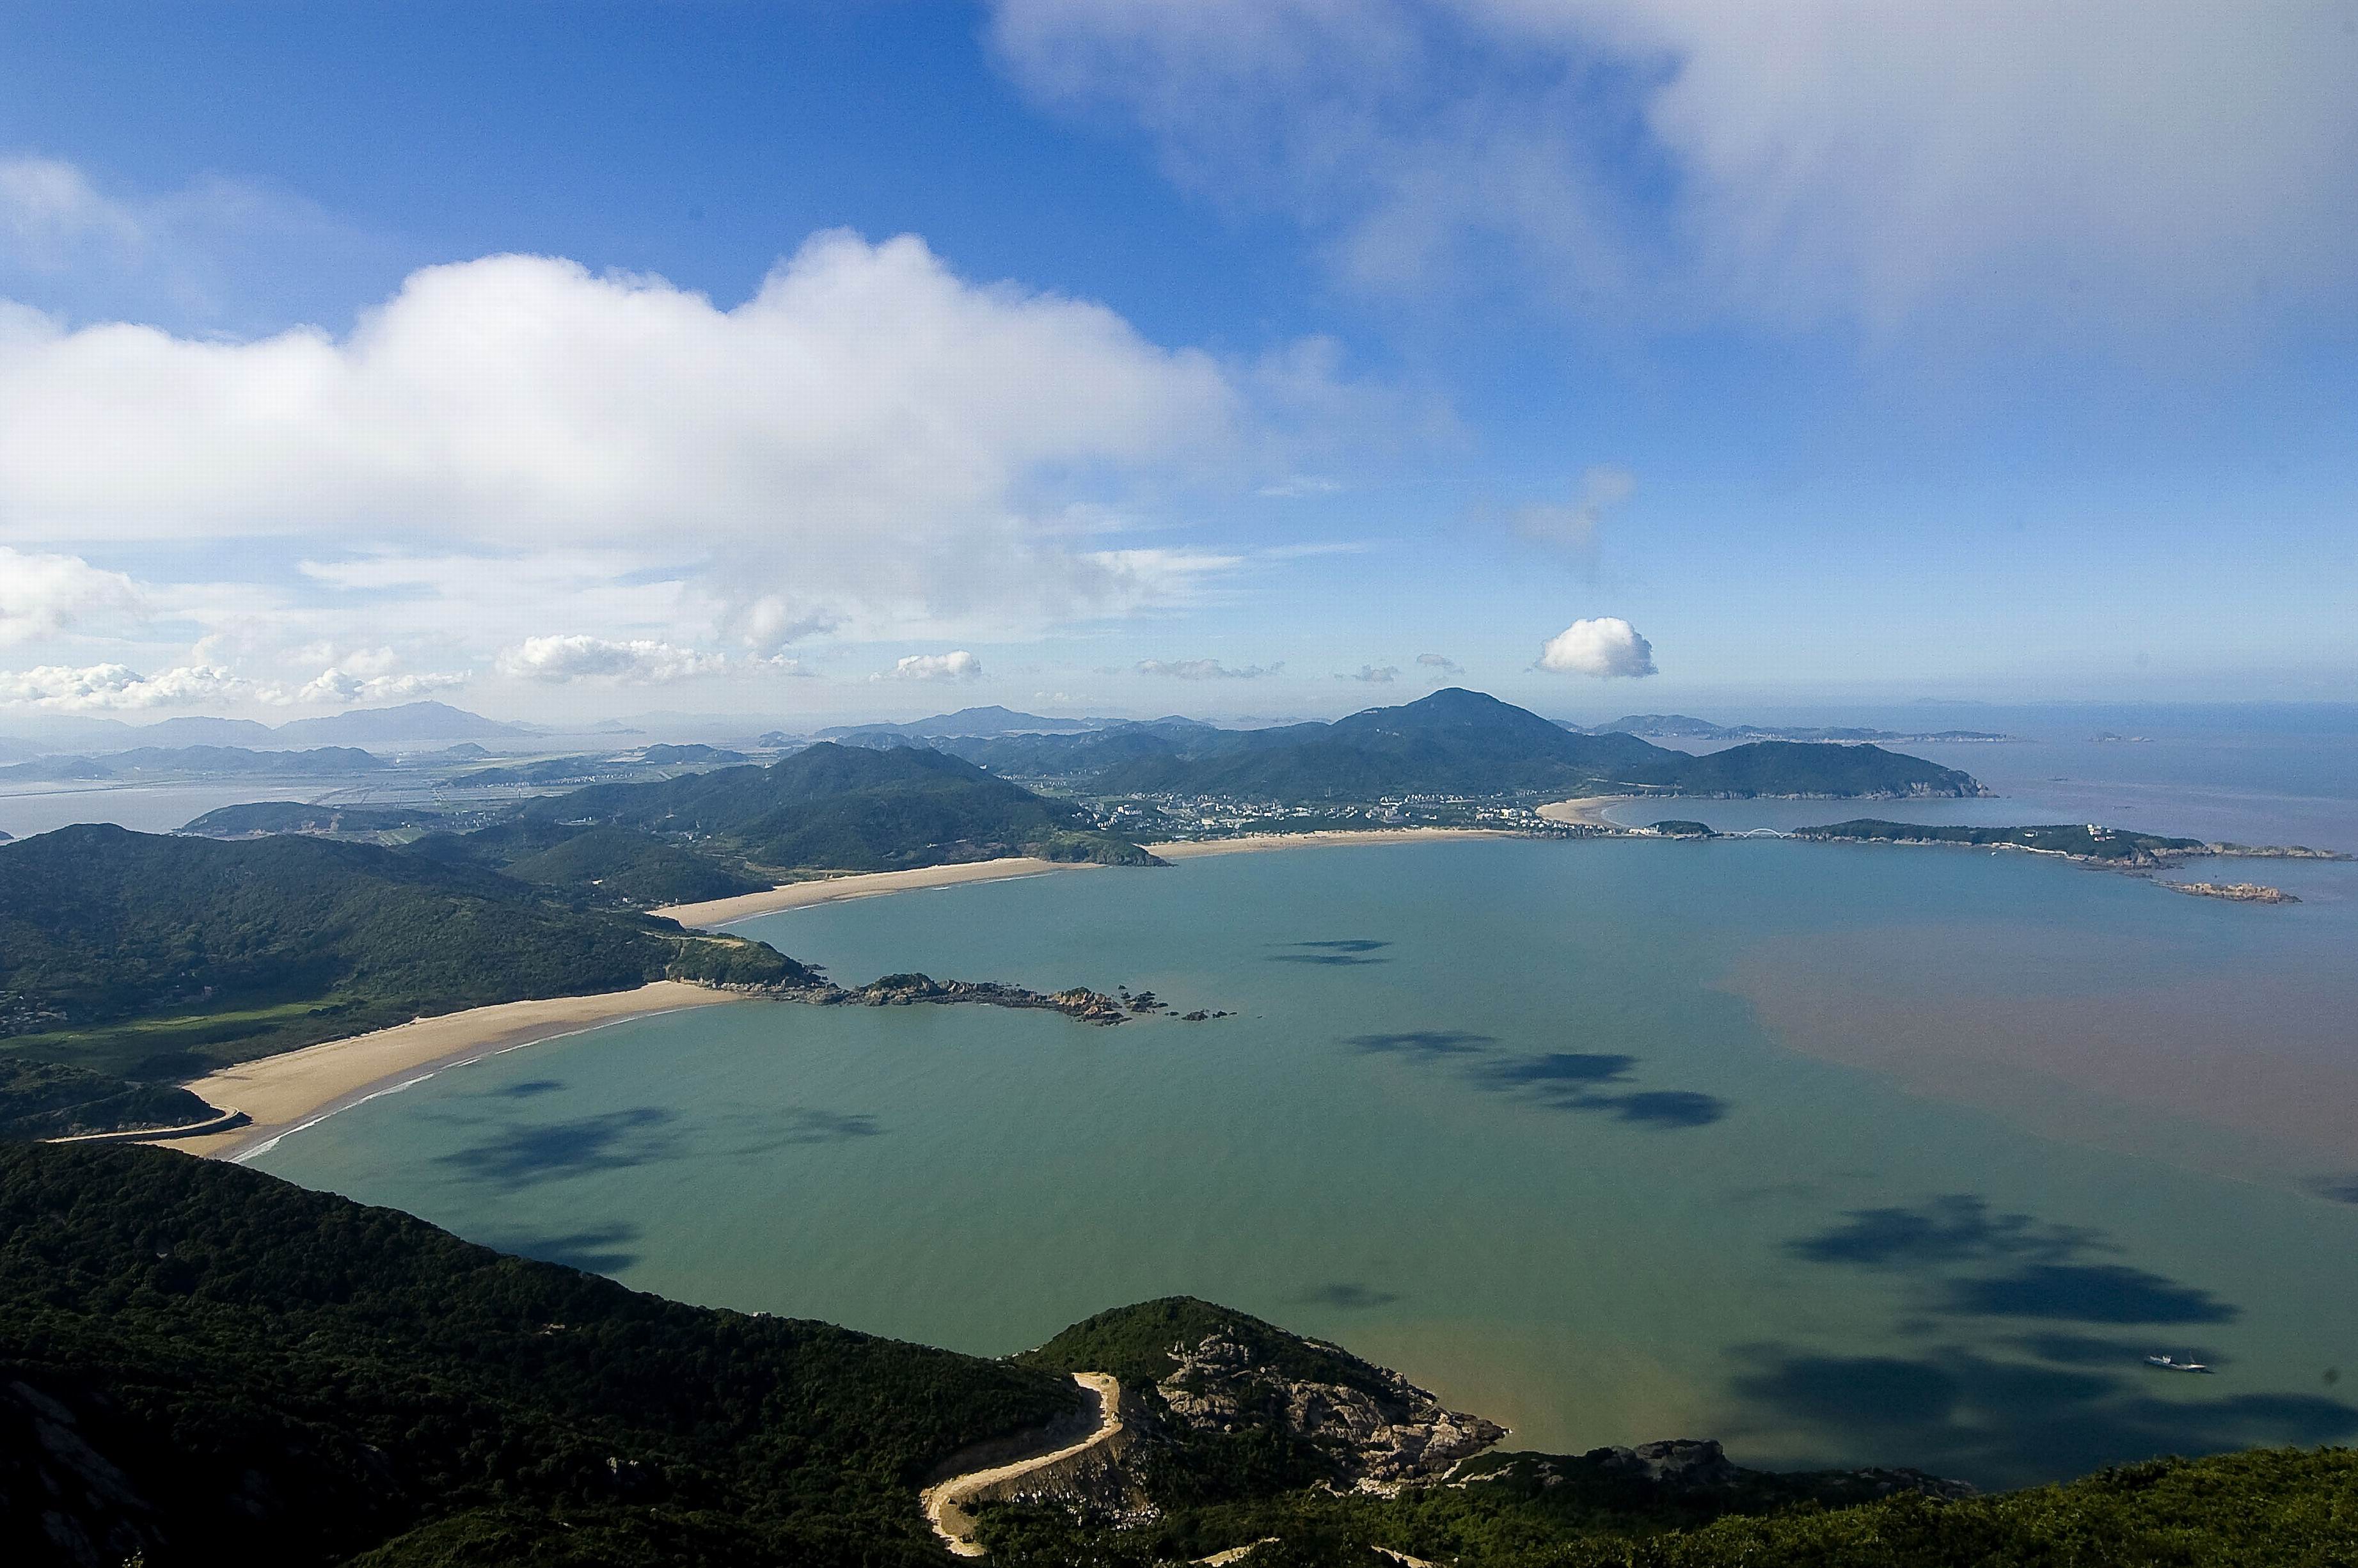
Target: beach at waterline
(868,884)
(279,1094)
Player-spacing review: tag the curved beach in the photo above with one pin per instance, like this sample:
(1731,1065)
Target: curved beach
(282,1093)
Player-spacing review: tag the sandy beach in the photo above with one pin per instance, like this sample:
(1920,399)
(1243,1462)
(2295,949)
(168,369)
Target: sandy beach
(868,884)
(857,884)
(1196,849)
(281,1093)
(1588,811)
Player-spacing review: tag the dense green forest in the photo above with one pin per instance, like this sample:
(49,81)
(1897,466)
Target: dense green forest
(150,959)
(246,1367)
(199,1359)
(2080,840)
(848,808)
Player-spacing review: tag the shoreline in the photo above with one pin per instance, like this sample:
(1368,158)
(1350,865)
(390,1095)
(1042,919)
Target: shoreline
(292,1090)
(295,1089)
(1588,811)
(715,913)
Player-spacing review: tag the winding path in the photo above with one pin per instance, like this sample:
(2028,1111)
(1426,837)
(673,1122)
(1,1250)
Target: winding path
(946,1502)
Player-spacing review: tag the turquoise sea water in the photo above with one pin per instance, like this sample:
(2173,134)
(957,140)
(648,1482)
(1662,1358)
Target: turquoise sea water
(1838,1154)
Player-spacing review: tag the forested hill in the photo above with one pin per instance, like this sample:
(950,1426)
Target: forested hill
(158,958)
(850,808)
(226,1366)
(1452,742)
(198,1362)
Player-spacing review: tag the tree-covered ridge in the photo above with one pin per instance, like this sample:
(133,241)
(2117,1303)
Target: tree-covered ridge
(2081,841)
(156,956)
(196,1357)
(1452,742)
(848,808)
(2283,1508)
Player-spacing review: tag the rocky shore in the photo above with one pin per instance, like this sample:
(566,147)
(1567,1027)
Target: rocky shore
(2239,892)
(908,990)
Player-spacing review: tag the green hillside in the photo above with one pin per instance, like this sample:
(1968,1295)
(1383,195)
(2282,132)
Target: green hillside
(196,1357)
(158,958)
(246,1366)
(2085,840)
(846,808)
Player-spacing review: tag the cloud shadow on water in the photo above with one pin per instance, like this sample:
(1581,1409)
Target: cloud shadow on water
(1953,1227)
(596,1249)
(519,1155)
(1347,1294)
(530,1089)
(1557,1080)
(2045,1270)
(2005,1423)
(805,1124)
(1339,953)
(2343,1188)
(1424,1043)
(1569,1080)
(2086,1293)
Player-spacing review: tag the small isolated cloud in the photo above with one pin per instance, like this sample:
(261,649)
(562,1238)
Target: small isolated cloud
(1605,647)
(103,688)
(1441,663)
(1204,669)
(1374,674)
(1302,484)
(1571,524)
(640,661)
(958,666)
(41,595)
(344,686)
(779,665)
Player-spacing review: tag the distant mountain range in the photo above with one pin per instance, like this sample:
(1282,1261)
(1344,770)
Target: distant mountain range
(121,766)
(1452,742)
(1680,726)
(408,724)
(966,721)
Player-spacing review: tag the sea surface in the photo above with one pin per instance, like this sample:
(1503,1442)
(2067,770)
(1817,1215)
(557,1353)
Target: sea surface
(1841,1154)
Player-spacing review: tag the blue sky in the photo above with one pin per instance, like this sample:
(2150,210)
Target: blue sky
(566,360)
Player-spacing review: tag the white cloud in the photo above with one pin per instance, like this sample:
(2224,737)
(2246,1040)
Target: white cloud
(1441,663)
(345,686)
(49,212)
(640,662)
(42,595)
(1204,669)
(2103,163)
(1572,524)
(1374,674)
(100,687)
(160,255)
(1298,486)
(1605,647)
(870,445)
(958,666)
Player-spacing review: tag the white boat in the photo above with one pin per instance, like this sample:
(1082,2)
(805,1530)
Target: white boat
(2173,1364)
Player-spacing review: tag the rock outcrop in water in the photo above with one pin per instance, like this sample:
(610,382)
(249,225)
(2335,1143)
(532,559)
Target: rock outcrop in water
(2238,892)
(908,989)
